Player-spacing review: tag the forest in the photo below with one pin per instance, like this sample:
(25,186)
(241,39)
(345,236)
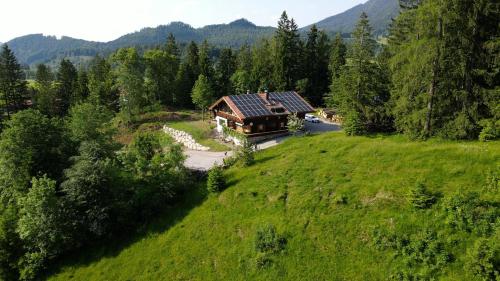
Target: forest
(66,183)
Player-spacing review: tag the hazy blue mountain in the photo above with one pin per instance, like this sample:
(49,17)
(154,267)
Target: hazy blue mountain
(380,12)
(37,48)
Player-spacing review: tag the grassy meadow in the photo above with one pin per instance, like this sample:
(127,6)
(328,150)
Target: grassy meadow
(325,194)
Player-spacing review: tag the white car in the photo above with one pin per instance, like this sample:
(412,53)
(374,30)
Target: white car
(311,118)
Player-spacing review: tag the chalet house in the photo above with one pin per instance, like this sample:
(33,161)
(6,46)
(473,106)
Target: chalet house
(261,114)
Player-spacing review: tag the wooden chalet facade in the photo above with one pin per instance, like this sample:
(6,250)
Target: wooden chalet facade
(259,114)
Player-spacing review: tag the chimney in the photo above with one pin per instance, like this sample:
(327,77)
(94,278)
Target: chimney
(266,95)
(248,92)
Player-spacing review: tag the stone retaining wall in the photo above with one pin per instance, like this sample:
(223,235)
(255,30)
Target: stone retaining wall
(185,139)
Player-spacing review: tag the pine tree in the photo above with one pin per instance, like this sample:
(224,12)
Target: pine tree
(67,80)
(224,70)
(82,88)
(263,66)
(186,76)
(205,62)
(287,54)
(102,85)
(45,93)
(337,56)
(12,84)
(361,92)
(316,66)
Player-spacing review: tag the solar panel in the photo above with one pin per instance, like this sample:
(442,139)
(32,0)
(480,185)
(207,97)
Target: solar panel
(251,105)
(291,101)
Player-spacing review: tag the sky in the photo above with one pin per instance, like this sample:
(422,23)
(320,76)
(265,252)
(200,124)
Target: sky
(106,20)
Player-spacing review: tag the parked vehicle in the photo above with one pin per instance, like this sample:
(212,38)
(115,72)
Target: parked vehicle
(311,118)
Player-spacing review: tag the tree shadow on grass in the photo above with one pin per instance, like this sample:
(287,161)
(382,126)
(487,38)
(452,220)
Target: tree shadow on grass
(113,246)
(263,159)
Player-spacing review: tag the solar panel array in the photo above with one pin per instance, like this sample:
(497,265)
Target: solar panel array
(291,101)
(251,105)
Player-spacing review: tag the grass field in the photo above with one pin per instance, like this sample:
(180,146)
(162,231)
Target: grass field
(296,187)
(201,131)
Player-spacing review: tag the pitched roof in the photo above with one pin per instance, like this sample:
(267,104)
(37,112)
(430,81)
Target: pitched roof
(256,105)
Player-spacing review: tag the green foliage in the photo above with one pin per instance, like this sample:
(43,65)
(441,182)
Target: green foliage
(467,212)
(294,123)
(87,121)
(287,54)
(267,240)
(493,181)
(87,191)
(40,227)
(247,153)
(30,145)
(202,93)
(67,85)
(13,89)
(420,197)
(224,70)
(102,85)
(10,243)
(215,181)
(353,124)
(483,260)
(490,130)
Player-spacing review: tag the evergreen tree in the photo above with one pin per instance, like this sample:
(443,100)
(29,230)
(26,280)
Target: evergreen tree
(206,65)
(263,66)
(45,93)
(337,56)
(287,54)
(316,66)
(67,81)
(224,70)
(13,88)
(82,88)
(186,76)
(130,81)
(102,85)
(361,92)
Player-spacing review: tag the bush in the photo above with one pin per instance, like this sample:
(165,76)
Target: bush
(467,212)
(353,125)
(492,181)
(490,131)
(215,181)
(421,198)
(483,260)
(267,240)
(246,154)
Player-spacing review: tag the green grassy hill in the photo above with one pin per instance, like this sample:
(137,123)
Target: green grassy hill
(329,196)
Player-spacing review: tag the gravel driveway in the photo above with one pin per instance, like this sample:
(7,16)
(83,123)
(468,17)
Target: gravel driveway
(204,160)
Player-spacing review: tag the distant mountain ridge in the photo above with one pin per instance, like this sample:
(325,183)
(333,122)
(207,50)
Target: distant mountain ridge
(37,48)
(380,13)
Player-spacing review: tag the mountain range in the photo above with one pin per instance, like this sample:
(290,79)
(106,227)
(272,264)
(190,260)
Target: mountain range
(37,48)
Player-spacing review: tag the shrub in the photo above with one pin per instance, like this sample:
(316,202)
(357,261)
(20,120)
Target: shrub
(490,131)
(267,240)
(492,181)
(421,198)
(483,260)
(215,181)
(353,125)
(467,212)
(246,154)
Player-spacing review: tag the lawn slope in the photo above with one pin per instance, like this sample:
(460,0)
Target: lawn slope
(326,194)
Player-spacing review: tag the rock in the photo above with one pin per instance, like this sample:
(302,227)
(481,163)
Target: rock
(185,139)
